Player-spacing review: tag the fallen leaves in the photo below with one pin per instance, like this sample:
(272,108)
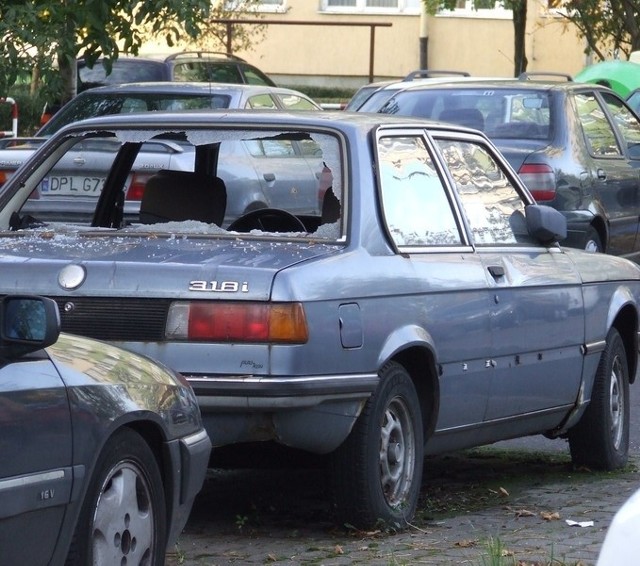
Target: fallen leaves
(466,543)
(524,513)
(545,515)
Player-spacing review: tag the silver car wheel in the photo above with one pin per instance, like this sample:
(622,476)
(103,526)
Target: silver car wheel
(616,403)
(593,242)
(376,473)
(592,246)
(397,452)
(124,517)
(600,440)
(123,529)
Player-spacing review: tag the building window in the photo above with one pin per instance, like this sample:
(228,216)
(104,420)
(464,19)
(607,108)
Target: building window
(261,6)
(384,6)
(493,9)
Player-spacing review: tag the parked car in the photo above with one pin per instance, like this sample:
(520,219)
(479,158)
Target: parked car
(383,90)
(633,100)
(576,147)
(620,76)
(187,66)
(103,451)
(73,190)
(620,545)
(426,306)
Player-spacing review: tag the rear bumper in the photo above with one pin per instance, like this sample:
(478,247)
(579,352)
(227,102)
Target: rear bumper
(313,413)
(274,393)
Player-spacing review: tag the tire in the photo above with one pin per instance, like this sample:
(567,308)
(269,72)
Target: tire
(376,473)
(123,517)
(600,440)
(592,241)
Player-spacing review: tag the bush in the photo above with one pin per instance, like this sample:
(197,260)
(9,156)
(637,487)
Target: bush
(29,110)
(325,94)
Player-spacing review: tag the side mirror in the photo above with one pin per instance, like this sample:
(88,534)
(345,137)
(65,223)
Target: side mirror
(546,224)
(27,324)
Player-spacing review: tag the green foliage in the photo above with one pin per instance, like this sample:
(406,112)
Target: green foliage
(29,110)
(607,27)
(39,35)
(324,94)
(217,35)
(497,554)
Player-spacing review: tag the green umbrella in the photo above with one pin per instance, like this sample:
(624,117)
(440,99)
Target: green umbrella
(621,76)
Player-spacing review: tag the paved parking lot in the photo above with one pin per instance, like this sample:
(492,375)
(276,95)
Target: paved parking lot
(475,506)
(503,505)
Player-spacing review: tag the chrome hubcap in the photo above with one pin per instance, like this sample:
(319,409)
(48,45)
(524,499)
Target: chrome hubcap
(397,452)
(616,403)
(591,246)
(123,525)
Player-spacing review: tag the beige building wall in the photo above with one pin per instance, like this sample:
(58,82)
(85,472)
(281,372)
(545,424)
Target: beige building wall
(337,52)
(324,55)
(485,47)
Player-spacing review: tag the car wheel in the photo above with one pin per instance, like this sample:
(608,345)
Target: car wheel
(600,440)
(376,472)
(592,242)
(123,518)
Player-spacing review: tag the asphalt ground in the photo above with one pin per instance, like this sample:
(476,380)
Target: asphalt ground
(501,505)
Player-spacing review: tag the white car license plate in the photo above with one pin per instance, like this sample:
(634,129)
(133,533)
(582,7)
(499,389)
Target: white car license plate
(71,185)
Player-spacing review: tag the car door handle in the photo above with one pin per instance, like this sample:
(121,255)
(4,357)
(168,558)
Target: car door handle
(269,177)
(496,271)
(601,174)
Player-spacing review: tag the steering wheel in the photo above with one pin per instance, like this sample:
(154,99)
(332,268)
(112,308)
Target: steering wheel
(267,220)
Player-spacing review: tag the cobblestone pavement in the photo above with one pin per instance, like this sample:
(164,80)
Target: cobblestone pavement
(482,507)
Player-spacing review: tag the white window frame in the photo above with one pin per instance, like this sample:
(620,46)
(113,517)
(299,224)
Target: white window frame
(499,12)
(410,7)
(279,8)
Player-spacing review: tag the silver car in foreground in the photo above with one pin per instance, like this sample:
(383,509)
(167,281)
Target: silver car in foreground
(422,305)
(71,193)
(102,451)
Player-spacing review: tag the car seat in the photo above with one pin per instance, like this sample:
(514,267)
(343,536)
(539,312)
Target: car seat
(183,195)
(330,208)
(469,117)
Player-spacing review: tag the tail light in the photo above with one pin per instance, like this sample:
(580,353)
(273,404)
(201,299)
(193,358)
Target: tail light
(283,323)
(4,176)
(540,180)
(137,185)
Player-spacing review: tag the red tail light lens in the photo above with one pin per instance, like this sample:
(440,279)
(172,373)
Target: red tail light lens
(137,185)
(283,323)
(540,180)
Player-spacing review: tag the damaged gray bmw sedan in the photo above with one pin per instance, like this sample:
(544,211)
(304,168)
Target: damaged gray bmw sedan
(398,294)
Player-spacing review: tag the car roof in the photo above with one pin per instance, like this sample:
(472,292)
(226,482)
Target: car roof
(397,84)
(338,120)
(389,88)
(178,87)
(505,84)
(163,58)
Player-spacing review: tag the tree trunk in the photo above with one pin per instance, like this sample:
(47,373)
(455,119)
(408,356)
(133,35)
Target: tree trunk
(69,75)
(519,8)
